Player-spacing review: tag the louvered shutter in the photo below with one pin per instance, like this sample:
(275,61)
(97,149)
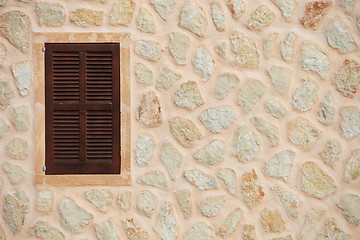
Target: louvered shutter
(82,105)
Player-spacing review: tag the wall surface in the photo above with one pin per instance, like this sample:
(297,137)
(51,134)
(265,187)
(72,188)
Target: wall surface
(245,121)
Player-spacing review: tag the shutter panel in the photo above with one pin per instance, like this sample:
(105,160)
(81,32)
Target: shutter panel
(82,106)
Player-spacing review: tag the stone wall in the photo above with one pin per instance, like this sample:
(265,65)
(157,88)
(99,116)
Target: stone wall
(245,121)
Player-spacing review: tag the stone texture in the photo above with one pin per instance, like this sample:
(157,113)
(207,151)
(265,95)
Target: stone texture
(145,146)
(348,5)
(179,45)
(44,201)
(200,179)
(166,79)
(305,96)
(148,49)
(250,93)
(145,21)
(183,198)
(17,148)
(199,231)
(283,238)
(260,18)
(106,230)
(231,223)
(272,221)
(1,185)
(311,218)
(287,7)
(279,166)
(188,96)
(331,231)
(211,154)
(339,37)
(46,232)
(86,17)
(330,152)
(211,206)
(350,122)
(287,47)
(347,78)
(122,12)
(251,189)
(50,14)
(249,232)
(236,8)
(352,168)
(147,203)
(3,51)
(21,118)
(171,158)
(275,108)
(143,74)
(193,18)
(15,209)
(153,178)
(326,113)
(15,26)
(166,225)
(220,49)
(244,48)
(302,133)
(315,182)
(203,63)
(102,200)
(281,78)
(133,230)
(218,118)
(149,111)
(217,15)
(163,7)
(289,200)
(314,13)
(228,176)
(269,43)
(22,72)
(15,173)
(314,59)
(184,131)
(225,83)
(246,145)
(349,206)
(4,128)
(267,129)
(123,201)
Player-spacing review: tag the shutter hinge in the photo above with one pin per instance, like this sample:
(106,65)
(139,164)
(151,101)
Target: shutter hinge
(44,168)
(43,49)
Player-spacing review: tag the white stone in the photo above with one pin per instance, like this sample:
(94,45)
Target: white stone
(330,152)
(163,7)
(220,49)
(166,79)
(349,205)
(352,168)
(200,179)
(250,93)
(246,144)
(153,178)
(348,5)
(269,43)
(339,37)
(166,225)
(179,45)
(350,122)
(199,231)
(22,72)
(15,209)
(218,118)
(148,49)
(279,166)
(143,74)
(147,203)
(102,200)
(192,17)
(231,223)
(246,55)
(145,21)
(289,200)
(188,96)
(211,206)
(281,78)
(15,173)
(326,113)
(171,158)
(225,83)
(287,7)
(275,108)
(145,146)
(228,176)
(211,154)
(44,201)
(4,128)
(287,46)
(203,63)
(314,59)
(267,129)
(305,96)
(236,7)
(217,15)
(311,218)
(21,118)
(106,230)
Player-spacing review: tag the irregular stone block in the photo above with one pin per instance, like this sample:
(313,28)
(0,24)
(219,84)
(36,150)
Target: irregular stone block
(166,225)
(3,51)
(179,45)
(163,7)
(272,221)
(314,59)
(311,218)
(200,231)
(217,15)
(339,37)
(22,72)
(211,154)
(249,232)
(15,209)
(133,230)
(147,203)
(347,78)
(286,7)
(123,201)
(200,179)
(184,131)
(302,133)
(352,168)
(145,146)
(45,231)
(269,43)
(188,96)
(211,206)
(287,47)
(17,148)
(349,206)
(102,200)
(250,93)
(192,18)
(183,198)
(220,49)
(225,83)
(231,223)
(149,111)
(290,201)
(4,128)
(236,8)
(280,165)
(44,201)
(6,93)
(86,17)
(314,13)
(305,96)
(275,108)
(251,189)
(145,21)
(267,129)
(218,118)
(50,14)
(153,178)
(246,145)
(122,12)
(350,122)
(281,78)
(143,74)
(21,118)
(148,50)
(246,55)
(348,5)
(203,63)
(260,18)
(330,152)
(106,230)
(228,176)
(331,231)
(166,79)
(15,173)
(171,158)
(326,113)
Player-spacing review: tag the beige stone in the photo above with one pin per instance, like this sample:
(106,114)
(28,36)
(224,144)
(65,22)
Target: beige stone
(349,206)
(15,26)
(145,146)
(326,113)
(314,13)
(153,178)
(339,37)
(244,48)
(302,133)
(315,182)
(145,21)
(6,93)
(148,49)
(211,154)
(314,59)
(275,108)
(4,128)
(287,47)
(203,63)
(305,96)
(163,7)
(211,206)
(228,177)
(1,185)
(289,200)
(106,230)
(267,129)
(21,118)
(44,201)
(217,15)
(15,173)
(260,18)
(171,158)
(352,168)
(123,201)
(167,78)
(218,118)
(311,218)
(143,74)
(281,78)
(251,189)
(287,7)
(283,238)
(50,14)
(147,203)
(331,231)
(347,78)
(22,72)
(179,45)
(272,221)
(86,17)
(3,51)
(220,49)
(183,198)
(184,131)
(225,83)
(269,44)
(200,179)
(330,152)
(102,200)
(279,166)
(166,225)
(122,12)
(250,93)
(72,217)
(249,232)
(193,18)
(149,111)
(46,232)
(200,231)
(348,5)
(15,209)
(17,148)
(231,223)
(133,230)
(350,122)
(236,8)
(246,145)
(188,96)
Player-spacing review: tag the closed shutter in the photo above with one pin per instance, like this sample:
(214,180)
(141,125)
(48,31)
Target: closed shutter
(82,105)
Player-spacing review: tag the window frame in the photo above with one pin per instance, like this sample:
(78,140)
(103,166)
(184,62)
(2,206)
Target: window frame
(124,178)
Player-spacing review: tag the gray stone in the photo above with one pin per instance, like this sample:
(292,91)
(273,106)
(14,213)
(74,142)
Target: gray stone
(17,148)
(305,96)
(179,45)
(281,78)
(44,201)
(326,113)
(220,49)
(166,79)
(50,14)
(330,152)
(311,218)
(347,78)
(22,72)
(244,48)
(3,51)
(260,18)
(217,15)
(218,118)
(145,146)
(199,231)
(211,154)
(184,131)
(148,49)
(289,200)
(287,7)
(331,231)
(86,17)
(225,83)
(203,63)
(352,168)
(188,96)
(246,144)
(166,225)
(339,37)
(269,43)
(314,59)
(236,8)
(153,178)
(275,108)
(280,165)
(6,93)
(163,7)
(145,21)
(350,122)
(122,12)
(193,18)
(267,129)
(102,200)
(228,176)
(106,230)
(1,185)
(4,128)
(21,118)
(231,223)
(349,206)
(15,209)
(183,198)
(72,217)
(123,201)
(171,158)
(46,232)
(147,203)
(15,173)
(250,93)
(272,221)
(200,179)
(302,133)
(348,5)
(149,111)
(251,189)
(211,206)
(133,230)
(287,47)
(143,74)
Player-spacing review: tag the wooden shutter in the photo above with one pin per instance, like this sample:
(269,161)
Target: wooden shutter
(82,104)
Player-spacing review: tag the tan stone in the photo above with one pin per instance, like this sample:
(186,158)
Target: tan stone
(231,223)
(315,182)
(228,176)
(305,96)
(311,218)
(275,108)
(46,232)
(331,231)
(250,93)
(145,146)
(249,232)
(211,206)
(330,152)
(211,154)
(287,7)
(289,200)
(145,21)
(179,45)
(143,74)
(281,78)
(184,131)
(171,158)
(272,221)
(217,15)
(339,37)
(153,178)
(148,49)
(225,83)
(50,14)
(183,198)
(260,18)
(1,185)
(167,78)
(15,209)
(17,148)
(3,51)
(218,118)
(347,78)
(102,200)
(269,43)
(349,206)
(220,49)
(203,63)
(147,203)
(200,231)
(15,173)
(163,7)
(287,47)
(279,166)
(302,133)
(200,179)
(251,189)
(236,8)
(326,113)
(246,145)
(133,230)
(106,230)
(188,96)
(246,55)
(149,111)
(4,128)
(44,201)
(6,93)
(267,129)
(122,12)
(350,122)
(314,13)
(21,118)
(123,201)
(352,168)
(86,17)
(166,225)
(193,18)
(314,59)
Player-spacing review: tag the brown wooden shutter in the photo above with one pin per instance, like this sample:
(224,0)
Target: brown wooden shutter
(82,105)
